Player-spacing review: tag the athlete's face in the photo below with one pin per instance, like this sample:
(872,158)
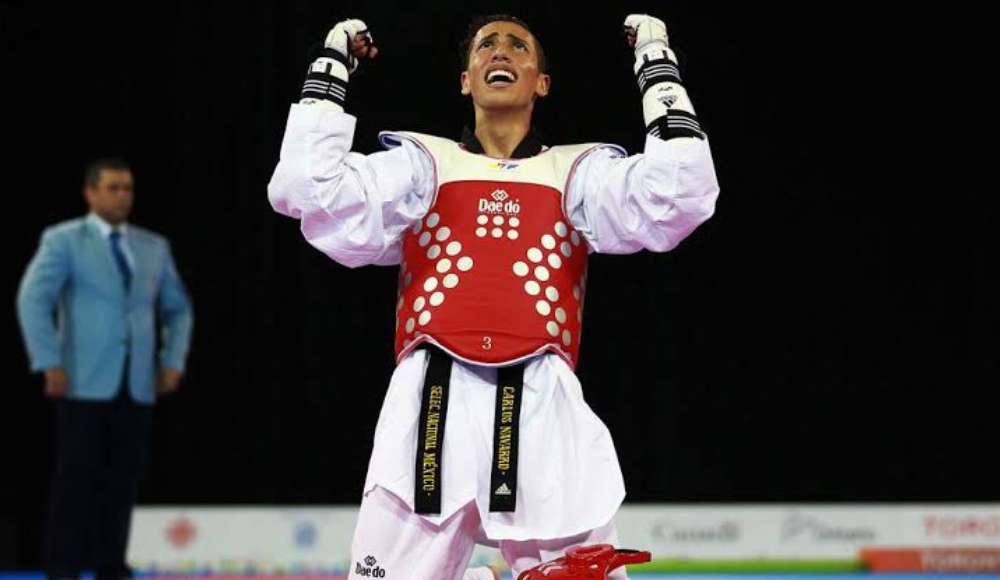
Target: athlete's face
(503,70)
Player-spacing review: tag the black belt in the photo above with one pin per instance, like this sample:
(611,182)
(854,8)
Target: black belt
(430,442)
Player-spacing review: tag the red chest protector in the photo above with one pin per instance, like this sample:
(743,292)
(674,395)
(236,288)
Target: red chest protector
(495,272)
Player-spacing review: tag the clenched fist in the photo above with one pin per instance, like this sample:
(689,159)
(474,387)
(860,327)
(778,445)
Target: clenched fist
(352,39)
(642,29)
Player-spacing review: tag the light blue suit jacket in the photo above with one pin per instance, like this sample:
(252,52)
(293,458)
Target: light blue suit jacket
(74,311)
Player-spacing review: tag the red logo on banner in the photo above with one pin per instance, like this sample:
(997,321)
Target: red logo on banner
(181,532)
(962,527)
(951,560)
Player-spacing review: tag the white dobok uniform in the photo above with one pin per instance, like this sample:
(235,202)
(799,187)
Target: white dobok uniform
(357,209)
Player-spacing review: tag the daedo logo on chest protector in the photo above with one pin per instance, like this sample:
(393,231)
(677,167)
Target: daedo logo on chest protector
(499,202)
(369,569)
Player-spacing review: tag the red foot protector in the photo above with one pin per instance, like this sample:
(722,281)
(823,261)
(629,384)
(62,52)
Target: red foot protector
(585,563)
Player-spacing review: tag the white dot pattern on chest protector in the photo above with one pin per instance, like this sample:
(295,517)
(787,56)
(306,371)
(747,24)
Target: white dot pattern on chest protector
(541,273)
(546,269)
(549,306)
(497,231)
(432,297)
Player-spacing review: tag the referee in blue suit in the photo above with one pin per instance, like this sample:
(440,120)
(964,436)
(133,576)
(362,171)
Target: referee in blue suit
(107,319)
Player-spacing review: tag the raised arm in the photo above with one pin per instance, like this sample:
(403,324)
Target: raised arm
(654,199)
(352,207)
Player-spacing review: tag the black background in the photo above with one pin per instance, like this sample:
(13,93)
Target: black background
(828,336)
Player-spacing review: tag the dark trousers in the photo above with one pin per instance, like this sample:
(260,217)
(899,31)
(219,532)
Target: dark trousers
(101,452)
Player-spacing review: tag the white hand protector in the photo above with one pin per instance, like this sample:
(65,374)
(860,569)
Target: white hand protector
(349,38)
(667,110)
(326,79)
(643,29)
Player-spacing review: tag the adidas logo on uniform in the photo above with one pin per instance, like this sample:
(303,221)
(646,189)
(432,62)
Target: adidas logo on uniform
(502,490)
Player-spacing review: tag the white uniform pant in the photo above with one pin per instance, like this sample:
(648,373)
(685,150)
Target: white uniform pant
(394,543)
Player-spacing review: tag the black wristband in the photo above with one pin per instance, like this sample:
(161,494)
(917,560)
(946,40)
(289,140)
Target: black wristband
(661,70)
(675,123)
(324,85)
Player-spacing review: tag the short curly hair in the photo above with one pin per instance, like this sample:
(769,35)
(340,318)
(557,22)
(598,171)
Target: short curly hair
(92,173)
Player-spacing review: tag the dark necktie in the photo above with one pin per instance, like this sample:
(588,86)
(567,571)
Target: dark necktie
(116,249)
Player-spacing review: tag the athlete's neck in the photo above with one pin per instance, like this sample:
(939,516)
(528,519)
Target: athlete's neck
(500,133)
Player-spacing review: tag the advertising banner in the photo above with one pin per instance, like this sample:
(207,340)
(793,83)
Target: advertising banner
(316,540)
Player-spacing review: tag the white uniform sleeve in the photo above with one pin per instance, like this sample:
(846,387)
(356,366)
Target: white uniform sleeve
(651,200)
(352,207)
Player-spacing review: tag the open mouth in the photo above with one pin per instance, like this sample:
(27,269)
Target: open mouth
(500,77)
